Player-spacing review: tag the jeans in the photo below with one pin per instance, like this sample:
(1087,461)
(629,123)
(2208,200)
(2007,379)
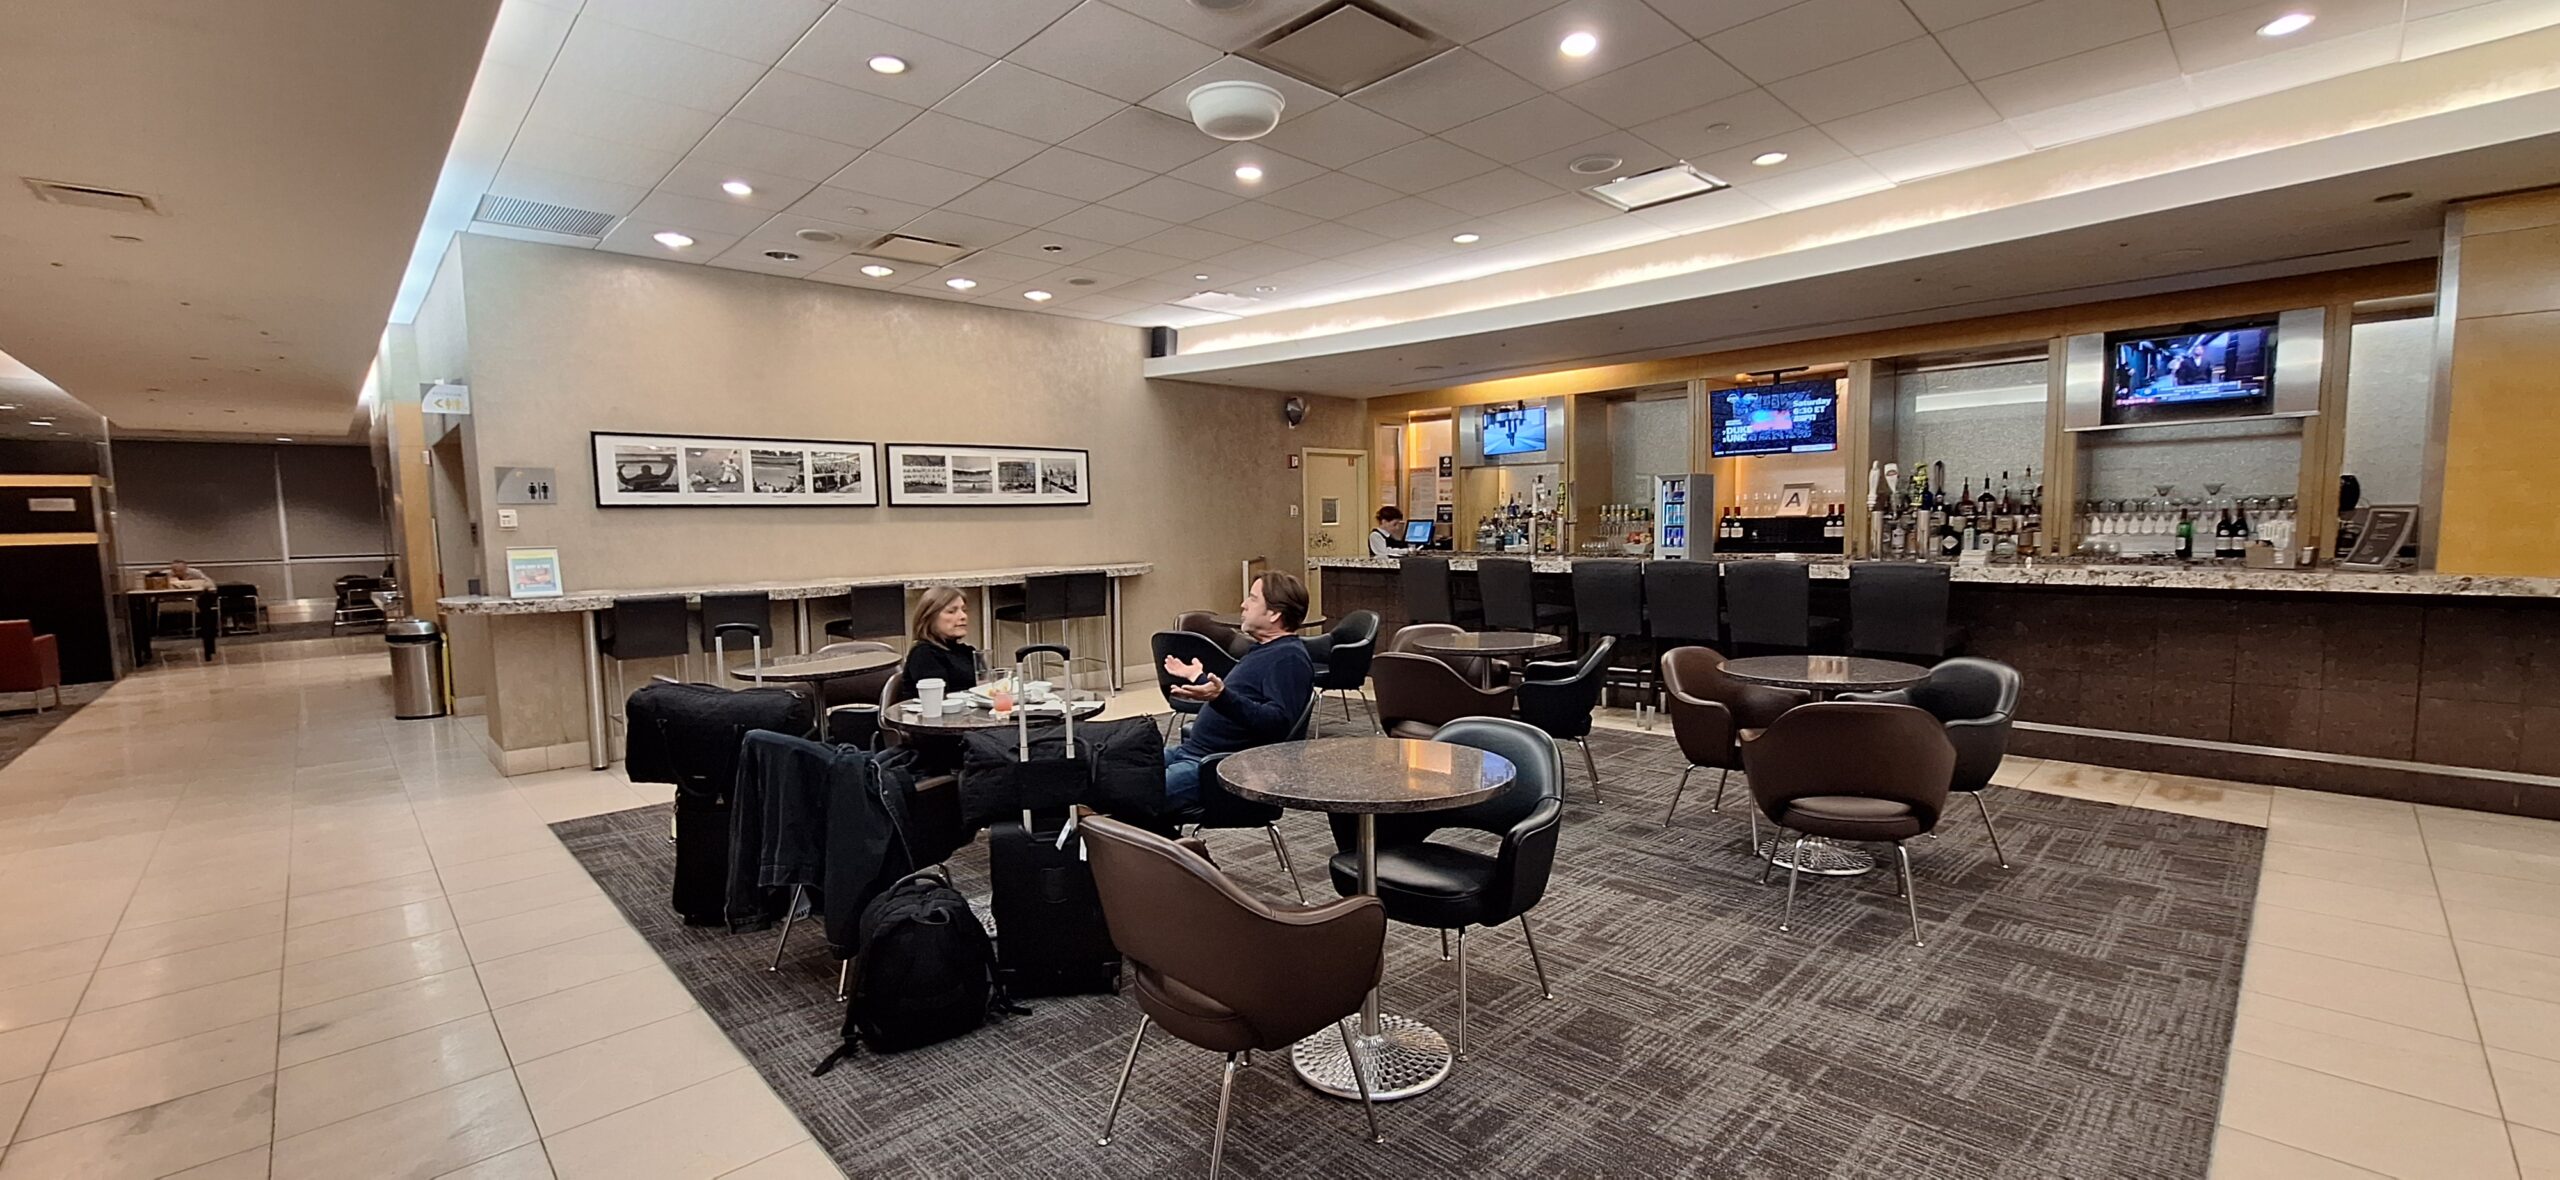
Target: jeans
(1181,776)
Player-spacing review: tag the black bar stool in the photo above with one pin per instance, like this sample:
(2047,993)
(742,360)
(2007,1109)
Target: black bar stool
(1769,609)
(874,611)
(1684,603)
(1509,587)
(1430,592)
(744,614)
(1899,610)
(1608,602)
(1060,599)
(644,627)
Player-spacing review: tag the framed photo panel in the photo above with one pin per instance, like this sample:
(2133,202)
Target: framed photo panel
(933,475)
(679,471)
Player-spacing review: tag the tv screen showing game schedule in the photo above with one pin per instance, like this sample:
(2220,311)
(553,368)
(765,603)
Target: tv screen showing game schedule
(1787,418)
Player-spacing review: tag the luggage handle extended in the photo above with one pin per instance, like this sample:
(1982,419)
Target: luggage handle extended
(1022,716)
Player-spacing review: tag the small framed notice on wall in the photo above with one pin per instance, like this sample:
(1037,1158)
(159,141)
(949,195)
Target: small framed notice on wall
(533,573)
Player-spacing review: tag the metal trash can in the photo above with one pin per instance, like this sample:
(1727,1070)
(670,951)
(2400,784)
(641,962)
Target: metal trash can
(417,668)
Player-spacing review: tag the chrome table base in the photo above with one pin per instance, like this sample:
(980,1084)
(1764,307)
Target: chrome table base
(1406,1058)
(1822,858)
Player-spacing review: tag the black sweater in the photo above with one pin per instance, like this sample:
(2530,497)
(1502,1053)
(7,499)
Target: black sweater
(955,664)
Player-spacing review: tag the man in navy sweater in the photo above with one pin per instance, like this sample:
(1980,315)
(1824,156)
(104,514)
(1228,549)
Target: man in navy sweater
(1256,704)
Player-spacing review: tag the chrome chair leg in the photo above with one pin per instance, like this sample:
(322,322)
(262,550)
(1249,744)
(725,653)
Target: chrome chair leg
(1985,808)
(789,913)
(1723,775)
(1544,992)
(1372,706)
(1591,765)
(1218,1137)
(1676,793)
(1280,848)
(1458,1042)
(1126,1067)
(1766,862)
(1794,866)
(1910,896)
(844,981)
(1360,1077)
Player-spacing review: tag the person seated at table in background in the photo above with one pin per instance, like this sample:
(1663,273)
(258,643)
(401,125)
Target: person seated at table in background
(1385,540)
(1256,704)
(183,616)
(185,577)
(940,651)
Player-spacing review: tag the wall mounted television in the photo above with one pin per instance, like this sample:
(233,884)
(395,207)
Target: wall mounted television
(1515,430)
(1791,417)
(2191,371)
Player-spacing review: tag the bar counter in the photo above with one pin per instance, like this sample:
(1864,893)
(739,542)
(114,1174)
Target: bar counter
(2425,687)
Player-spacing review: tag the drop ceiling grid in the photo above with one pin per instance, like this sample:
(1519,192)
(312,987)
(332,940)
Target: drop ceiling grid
(1058,122)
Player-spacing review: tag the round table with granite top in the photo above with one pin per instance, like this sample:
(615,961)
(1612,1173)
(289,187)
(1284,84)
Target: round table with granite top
(1825,677)
(1365,777)
(1488,648)
(905,717)
(814,668)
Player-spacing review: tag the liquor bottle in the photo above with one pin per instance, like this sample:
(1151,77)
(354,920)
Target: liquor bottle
(1964,499)
(1950,543)
(2224,548)
(1984,505)
(2186,536)
(2008,506)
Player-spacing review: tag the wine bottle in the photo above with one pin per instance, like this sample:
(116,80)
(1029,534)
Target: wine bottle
(1984,504)
(2186,536)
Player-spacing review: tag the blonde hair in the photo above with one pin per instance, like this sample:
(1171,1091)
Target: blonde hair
(929,607)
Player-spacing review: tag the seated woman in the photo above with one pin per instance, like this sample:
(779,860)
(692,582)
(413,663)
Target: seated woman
(939,628)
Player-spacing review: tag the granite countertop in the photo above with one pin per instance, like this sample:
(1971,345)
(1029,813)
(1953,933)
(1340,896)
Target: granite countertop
(587,600)
(2122,577)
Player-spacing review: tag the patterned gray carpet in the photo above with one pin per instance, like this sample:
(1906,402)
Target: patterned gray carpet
(2067,1019)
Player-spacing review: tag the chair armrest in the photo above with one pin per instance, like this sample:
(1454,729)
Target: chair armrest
(1994,721)
(1527,858)
(1547,670)
(1896,697)
(48,655)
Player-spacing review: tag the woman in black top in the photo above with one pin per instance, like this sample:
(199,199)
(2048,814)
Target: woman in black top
(940,628)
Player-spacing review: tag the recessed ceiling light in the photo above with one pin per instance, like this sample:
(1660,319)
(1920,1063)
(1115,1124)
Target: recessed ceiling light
(281,438)
(782,256)
(1595,165)
(879,272)
(2291,22)
(1249,173)
(1467,239)
(737,188)
(672,240)
(2384,199)
(1199,278)
(1038,296)
(63,433)
(1765,159)
(888,64)
(1266,289)
(1578,45)
(8,405)
(960,284)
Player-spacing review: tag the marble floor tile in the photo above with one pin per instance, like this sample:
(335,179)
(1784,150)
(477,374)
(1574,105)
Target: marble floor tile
(151,1075)
(614,1073)
(106,1032)
(2365,1126)
(170,1137)
(2239,1155)
(705,1129)
(565,1019)
(429,1135)
(316,1093)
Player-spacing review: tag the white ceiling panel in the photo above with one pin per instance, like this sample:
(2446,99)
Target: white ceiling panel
(527,182)
(1133,262)
(1453,88)
(754,256)
(1155,290)
(774,151)
(943,225)
(1255,221)
(1957,108)
(1100,47)
(1812,35)
(1633,154)
(882,174)
(2298,66)
(1028,103)
(693,214)
(1332,196)
(847,271)
(1073,174)
(1104,307)
(1332,239)
(1627,32)
(1700,18)
(1466,20)
(1554,213)
(623,59)
(1297,98)
(1493,192)
(2446,31)
(637,234)
(1257,260)
(1339,133)
(1950,153)
(840,47)
(2046,30)
(1229,29)
(2232,38)
(960,145)
(1706,211)
(2092,117)
(989,26)
(1318,274)
(1540,125)
(823,109)
(1167,199)
(758,30)
(623,118)
(1145,139)
(994,264)
(1053,247)
(1947,14)
(783,229)
(1806,148)
(560,150)
(702,178)
(847,207)
(1217,170)
(1422,165)
(1667,83)
(1013,203)
(1805,188)
(1017,293)
(1750,115)
(1887,76)
(1190,243)
(1104,224)
(1405,217)
(2142,62)
(1078,282)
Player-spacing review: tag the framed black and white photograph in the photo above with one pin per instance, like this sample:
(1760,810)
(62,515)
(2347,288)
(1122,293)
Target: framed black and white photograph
(675,471)
(946,476)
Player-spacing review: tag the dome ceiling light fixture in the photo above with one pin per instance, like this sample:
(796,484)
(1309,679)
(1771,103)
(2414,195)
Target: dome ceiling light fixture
(2286,25)
(819,236)
(1235,110)
(1595,165)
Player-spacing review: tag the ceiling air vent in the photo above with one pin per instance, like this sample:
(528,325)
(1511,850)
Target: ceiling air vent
(1226,301)
(1345,48)
(90,196)
(908,248)
(554,219)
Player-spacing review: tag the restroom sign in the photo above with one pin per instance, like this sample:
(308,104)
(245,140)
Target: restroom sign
(444,397)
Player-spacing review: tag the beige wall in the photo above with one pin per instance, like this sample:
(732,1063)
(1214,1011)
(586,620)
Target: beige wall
(2504,423)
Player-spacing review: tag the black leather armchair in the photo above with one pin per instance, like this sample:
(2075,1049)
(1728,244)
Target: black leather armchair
(1188,645)
(1445,887)
(1342,659)
(1558,696)
(1974,699)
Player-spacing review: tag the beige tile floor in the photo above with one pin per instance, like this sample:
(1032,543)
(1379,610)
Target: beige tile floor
(252,927)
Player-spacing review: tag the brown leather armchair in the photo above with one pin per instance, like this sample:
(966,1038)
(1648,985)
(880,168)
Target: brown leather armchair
(1225,970)
(1205,623)
(1418,694)
(1471,667)
(29,663)
(1713,714)
(1851,770)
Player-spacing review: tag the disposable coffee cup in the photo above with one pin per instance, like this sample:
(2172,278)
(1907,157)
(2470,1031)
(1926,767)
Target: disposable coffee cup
(929,696)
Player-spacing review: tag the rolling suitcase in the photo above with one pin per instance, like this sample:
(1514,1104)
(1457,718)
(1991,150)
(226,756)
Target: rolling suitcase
(688,736)
(1051,939)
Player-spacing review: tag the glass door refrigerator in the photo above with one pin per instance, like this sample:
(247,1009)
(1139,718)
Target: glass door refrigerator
(1672,496)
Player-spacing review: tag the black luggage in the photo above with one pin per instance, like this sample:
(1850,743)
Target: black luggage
(688,736)
(1128,769)
(1051,939)
(702,860)
(921,971)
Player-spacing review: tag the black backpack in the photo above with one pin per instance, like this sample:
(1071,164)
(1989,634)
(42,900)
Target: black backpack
(921,971)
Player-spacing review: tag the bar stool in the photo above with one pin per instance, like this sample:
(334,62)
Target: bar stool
(1899,610)
(1769,608)
(746,614)
(1608,602)
(643,627)
(1430,591)
(1684,603)
(874,611)
(1060,599)
(1509,588)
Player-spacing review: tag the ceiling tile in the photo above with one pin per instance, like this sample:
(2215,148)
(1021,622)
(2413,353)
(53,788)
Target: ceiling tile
(1664,84)
(903,179)
(1909,70)
(1537,126)
(1013,203)
(1255,260)
(2187,12)
(1133,262)
(1806,148)
(2297,66)
(2144,61)
(1950,153)
(1331,195)
(823,109)
(1172,200)
(561,150)
(1812,35)
(978,233)
(774,151)
(1069,250)
(1493,192)
(1554,213)
(1190,243)
(989,26)
(1947,14)
(993,264)
(784,229)
(1116,226)
(1422,165)
(632,62)
(1297,98)
(1257,221)
(637,235)
(1028,103)
(1466,20)
(759,30)
(2092,117)
(1017,294)
(847,271)
(2232,38)
(1144,139)
(1822,184)
(1318,274)
(958,144)
(1073,174)
(1331,240)
(1628,32)
(1077,282)
(700,177)
(1337,134)
(1633,154)
(1217,170)
(1100,307)
(1103,48)
(850,207)
(1405,217)
(1229,29)
(750,255)
(1698,18)
(1706,211)
(1156,290)
(531,183)
(693,214)
(622,118)
(1957,108)
(1453,88)
(1750,115)
(840,48)
(2048,29)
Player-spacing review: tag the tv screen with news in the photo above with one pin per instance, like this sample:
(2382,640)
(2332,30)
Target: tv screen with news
(1791,417)
(2191,373)
(1515,430)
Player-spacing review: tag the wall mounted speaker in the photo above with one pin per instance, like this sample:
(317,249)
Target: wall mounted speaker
(1161,341)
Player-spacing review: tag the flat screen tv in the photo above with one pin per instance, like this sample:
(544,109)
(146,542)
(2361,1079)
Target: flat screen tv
(1515,430)
(1791,417)
(2191,372)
